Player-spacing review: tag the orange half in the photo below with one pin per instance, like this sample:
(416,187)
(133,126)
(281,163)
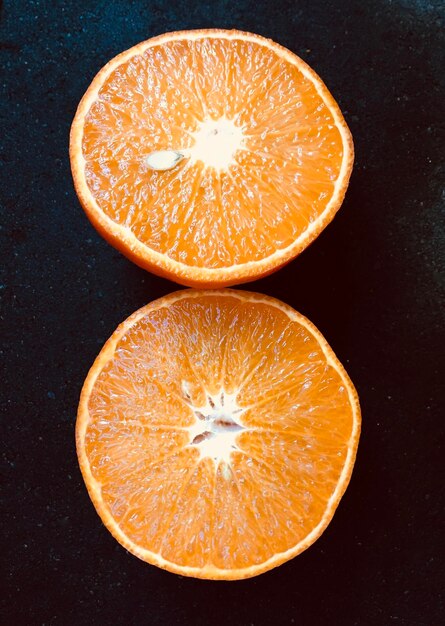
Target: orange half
(216,433)
(264,159)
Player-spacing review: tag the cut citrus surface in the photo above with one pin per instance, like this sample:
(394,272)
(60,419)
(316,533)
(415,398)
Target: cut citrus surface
(216,433)
(211,157)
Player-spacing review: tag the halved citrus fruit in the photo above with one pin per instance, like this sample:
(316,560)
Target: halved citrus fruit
(216,433)
(211,157)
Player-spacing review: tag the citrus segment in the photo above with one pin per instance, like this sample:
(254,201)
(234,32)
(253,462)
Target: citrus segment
(216,433)
(265,155)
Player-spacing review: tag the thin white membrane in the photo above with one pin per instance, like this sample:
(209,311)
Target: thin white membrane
(218,424)
(216,143)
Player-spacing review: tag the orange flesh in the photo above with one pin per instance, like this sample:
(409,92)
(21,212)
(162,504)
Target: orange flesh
(279,181)
(296,423)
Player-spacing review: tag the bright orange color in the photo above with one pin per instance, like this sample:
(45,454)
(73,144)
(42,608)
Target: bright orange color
(267,162)
(216,433)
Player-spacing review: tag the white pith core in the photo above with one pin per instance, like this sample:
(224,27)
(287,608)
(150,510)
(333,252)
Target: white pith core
(216,142)
(217,426)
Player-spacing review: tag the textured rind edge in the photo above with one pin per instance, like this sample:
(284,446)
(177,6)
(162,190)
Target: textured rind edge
(194,276)
(211,572)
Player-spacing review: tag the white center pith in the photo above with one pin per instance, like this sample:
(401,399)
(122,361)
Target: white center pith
(217,426)
(216,142)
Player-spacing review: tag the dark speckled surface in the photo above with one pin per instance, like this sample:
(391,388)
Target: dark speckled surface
(371,283)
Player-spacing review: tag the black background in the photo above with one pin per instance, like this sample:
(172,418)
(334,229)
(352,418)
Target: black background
(371,283)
